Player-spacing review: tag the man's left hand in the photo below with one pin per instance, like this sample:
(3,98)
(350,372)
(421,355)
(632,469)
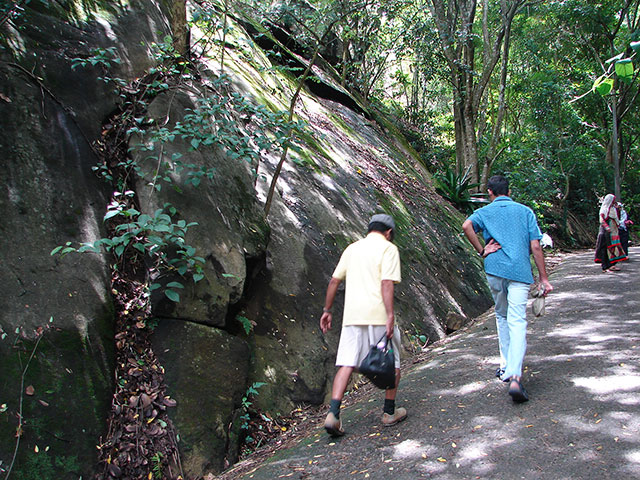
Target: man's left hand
(325,322)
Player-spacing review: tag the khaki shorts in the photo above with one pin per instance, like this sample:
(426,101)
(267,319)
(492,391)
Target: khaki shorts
(356,340)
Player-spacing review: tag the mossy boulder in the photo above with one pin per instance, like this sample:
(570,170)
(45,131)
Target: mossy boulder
(206,373)
(230,232)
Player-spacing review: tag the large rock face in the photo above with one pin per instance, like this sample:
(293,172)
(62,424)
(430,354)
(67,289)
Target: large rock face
(49,115)
(347,168)
(231,232)
(271,271)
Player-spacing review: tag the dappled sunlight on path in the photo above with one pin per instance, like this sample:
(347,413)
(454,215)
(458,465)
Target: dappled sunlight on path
(582,371)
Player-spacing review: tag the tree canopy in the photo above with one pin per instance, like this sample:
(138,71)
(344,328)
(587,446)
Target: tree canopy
(545,92)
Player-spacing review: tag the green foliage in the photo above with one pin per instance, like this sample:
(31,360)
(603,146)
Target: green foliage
(41,465)
(156,236)
(227,119)
(555,149)
(603,85)
(247,324)
(252,390)
(246,404)
(156,465)
(418,340)
(215,122)
(103,57)
(624,69)
(456,186)
(242,129)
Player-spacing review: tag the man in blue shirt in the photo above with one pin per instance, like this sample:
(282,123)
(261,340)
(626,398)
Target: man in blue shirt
(511,234)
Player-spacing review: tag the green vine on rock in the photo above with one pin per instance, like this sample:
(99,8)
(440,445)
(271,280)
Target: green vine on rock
(134,152)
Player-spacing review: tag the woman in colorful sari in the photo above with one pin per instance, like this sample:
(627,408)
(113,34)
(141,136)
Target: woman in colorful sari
(608,248)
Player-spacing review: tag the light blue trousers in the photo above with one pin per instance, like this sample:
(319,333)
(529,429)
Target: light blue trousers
(510,298)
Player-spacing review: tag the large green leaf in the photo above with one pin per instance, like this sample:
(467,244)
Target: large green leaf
(172,295)
(624,69)
(603,85)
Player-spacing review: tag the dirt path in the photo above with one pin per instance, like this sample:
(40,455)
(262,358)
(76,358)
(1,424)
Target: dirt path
(583,420)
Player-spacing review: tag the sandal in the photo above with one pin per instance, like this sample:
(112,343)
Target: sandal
(517,392)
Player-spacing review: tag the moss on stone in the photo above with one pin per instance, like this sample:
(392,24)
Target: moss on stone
(339,241)
(314,148)
(80,11)
(395,207)
(64,374)
(338,121)
(199,360)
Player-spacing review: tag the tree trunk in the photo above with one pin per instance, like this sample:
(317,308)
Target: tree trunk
(454,23)
(466,141)
(615,157)
(492,152)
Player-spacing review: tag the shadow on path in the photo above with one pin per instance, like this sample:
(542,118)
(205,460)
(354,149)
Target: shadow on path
(583,419)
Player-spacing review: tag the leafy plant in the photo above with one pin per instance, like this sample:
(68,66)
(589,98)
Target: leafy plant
(418,340)
(456,186)
(156,468)
(246,406)
(155,236)
(246,324)
(103,57)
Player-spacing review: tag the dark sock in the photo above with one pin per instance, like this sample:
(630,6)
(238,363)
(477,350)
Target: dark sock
(334,407)
(389,406)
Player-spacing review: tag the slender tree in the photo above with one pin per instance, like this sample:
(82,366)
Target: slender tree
(470,70)
(325,22)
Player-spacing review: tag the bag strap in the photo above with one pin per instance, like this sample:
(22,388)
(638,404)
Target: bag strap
(388,342)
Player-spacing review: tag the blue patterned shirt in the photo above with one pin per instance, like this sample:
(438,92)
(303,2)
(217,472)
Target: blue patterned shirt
(514,227)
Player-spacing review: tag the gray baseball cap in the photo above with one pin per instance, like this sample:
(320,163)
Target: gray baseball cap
(384,219)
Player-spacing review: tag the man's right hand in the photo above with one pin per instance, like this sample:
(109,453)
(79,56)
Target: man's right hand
(491,247)
(390,324)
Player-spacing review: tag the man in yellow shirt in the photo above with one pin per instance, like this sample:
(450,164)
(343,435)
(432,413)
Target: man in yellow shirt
(370,267)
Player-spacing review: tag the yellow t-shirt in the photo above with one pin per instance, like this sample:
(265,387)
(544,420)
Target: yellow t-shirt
(364,264)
